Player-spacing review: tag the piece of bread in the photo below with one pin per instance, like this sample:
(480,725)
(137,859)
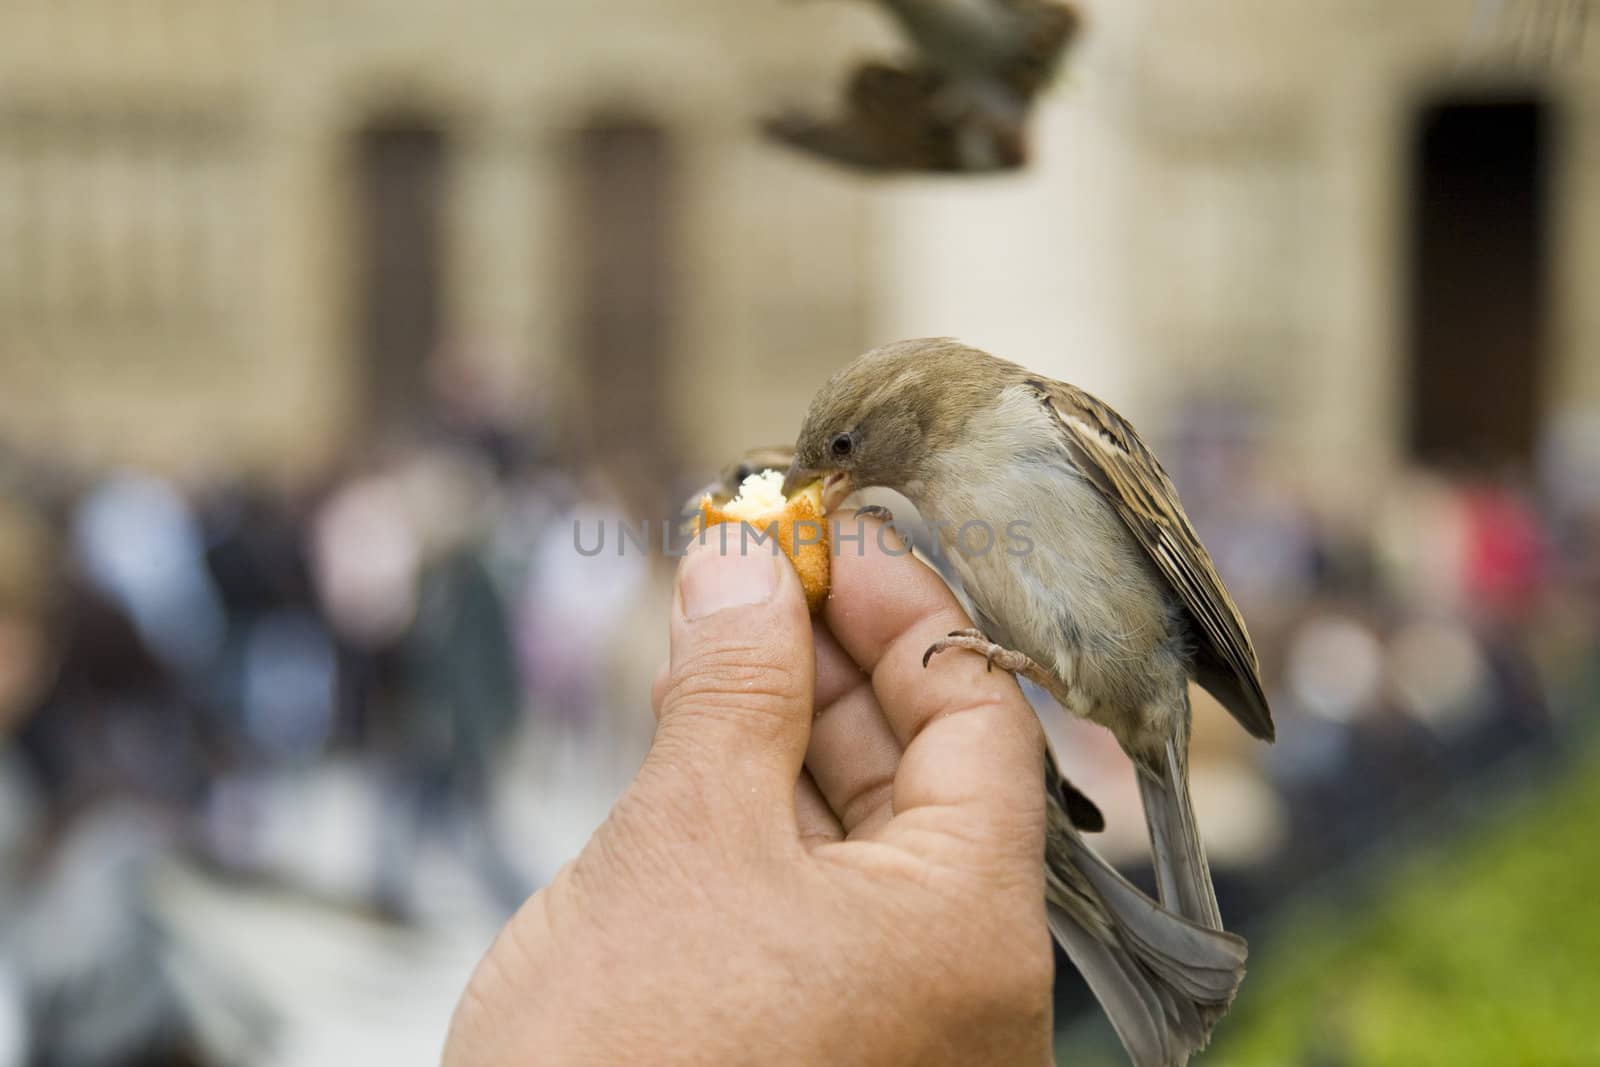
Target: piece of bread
(801,529)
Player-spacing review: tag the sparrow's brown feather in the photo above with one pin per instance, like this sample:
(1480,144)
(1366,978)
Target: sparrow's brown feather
(1123,468)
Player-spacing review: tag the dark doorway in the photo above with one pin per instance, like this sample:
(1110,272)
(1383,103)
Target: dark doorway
(402,173)
(625,251)
(1479,295)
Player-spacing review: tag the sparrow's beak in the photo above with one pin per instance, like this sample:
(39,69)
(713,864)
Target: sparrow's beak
(797,478)
(835,485)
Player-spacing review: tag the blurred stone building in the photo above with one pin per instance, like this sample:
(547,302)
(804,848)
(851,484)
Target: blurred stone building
(1376,225)
(245,235)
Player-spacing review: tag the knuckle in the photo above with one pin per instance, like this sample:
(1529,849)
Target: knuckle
(977,705)
(868,797)
(731,680)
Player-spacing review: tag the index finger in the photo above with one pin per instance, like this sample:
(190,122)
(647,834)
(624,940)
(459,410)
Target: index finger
(972,742)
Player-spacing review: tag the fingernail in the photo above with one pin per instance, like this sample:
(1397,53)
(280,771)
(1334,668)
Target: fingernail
(714,580)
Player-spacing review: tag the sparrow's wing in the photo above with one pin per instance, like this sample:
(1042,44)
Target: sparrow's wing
(885,108)
(909,119)
(885,126)
(1081,811)
(1051,29)
(1127,472)
(840,140)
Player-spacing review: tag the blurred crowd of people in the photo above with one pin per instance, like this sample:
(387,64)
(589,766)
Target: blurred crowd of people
(1414,635)
(171,654)
(179,660)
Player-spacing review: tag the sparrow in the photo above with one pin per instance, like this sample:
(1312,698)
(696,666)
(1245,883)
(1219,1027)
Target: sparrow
(1111,604)
(960,104)
(1081,812)
(912,121)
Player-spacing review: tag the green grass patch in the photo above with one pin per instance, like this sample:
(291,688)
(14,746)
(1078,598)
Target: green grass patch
(1483,949)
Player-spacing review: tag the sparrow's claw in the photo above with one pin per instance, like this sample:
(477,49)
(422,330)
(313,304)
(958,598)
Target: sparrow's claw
(876,511)
(1008,660)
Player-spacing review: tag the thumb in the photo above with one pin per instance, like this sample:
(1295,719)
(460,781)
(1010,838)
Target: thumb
(735,712)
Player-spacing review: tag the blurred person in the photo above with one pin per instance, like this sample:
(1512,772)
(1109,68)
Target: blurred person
(1350,761)
(575,600)
(477,405)
(27,577)
(1478,693)
(277,681)
(100,978)
(364,556)
(1568,466)
(114,722)
(458,697)
(109,759)
(1564,650)
(1505,541)
(14,1038)
(1467,546)
(1439,675)
(288,686)
(1421,541)
(138,542)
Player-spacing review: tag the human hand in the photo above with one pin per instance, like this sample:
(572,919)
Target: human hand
(829,856)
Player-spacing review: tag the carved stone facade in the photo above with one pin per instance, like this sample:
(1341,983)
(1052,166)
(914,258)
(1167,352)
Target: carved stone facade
(181,250)
(1222,201)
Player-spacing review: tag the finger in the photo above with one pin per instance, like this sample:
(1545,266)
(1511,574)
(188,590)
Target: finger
(971,742)
(658,687)
(735,711)
(813,818)
(853,753)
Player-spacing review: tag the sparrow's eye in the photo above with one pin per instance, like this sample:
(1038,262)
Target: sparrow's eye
(842,445)
(741,472)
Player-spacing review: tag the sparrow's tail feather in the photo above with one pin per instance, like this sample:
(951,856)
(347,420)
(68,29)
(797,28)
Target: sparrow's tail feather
(1201,964)
(1127,997)
(1183,877)
(1162,980)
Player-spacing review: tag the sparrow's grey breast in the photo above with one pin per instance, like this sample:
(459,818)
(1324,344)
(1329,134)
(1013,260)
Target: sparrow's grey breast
(1064,582)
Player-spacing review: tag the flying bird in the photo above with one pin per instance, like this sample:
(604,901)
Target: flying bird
(1114,606)
(960,104)
(909,120)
